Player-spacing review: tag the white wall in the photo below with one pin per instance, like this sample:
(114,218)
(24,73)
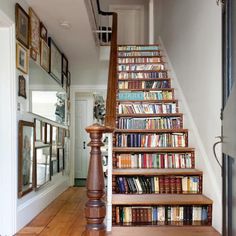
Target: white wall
(191,33)
(18,212)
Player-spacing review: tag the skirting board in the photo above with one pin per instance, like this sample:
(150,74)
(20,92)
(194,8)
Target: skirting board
(31,208)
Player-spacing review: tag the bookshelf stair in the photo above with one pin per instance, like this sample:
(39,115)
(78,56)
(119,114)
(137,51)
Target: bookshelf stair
(154,180)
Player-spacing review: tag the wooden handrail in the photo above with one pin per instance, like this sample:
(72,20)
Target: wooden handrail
(110,118)
(95,209)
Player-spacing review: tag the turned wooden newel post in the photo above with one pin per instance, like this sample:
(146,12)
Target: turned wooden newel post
(95,209)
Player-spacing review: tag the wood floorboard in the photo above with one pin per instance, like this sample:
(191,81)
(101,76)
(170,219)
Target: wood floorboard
(65,217)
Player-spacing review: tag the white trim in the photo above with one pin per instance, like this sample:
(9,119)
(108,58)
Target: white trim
(151,21)
(193,127)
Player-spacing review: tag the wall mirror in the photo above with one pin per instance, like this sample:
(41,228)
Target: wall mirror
(47,97)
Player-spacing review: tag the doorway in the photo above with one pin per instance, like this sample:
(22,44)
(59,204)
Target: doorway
(83,118)
(130,23)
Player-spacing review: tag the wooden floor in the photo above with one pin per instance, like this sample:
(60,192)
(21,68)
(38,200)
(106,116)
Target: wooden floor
(65,217)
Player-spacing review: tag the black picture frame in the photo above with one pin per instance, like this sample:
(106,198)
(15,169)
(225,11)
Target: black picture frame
(55,61)
(65,64)
(21,86)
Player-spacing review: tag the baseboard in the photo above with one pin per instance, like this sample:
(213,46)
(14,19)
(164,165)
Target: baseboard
(31,208)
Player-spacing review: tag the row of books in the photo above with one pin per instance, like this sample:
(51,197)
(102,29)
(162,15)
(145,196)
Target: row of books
(136,48)
(154,160)
(139,60)
(158,214)
(142,75)
(139,54)
(138,67)
(143,84)
(150,123)
(152,95)
(151,140)
(166,108)
(157,184)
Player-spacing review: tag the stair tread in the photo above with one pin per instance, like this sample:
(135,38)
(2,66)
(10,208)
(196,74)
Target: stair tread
(164,231)
(160,199)
(159,149)
(150,115)
(132,171)
(150,101)
(151,130)
(150,89)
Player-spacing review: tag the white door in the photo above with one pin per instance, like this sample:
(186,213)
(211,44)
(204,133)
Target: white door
(83,118)
(130,23)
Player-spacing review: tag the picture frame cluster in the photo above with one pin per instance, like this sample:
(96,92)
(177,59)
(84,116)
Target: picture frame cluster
(41,154)
(33,41)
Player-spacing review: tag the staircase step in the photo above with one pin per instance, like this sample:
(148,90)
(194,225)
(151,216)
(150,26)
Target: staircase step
(152,172)
(160,199)
(151,131)
(149,101)
(164,231)
(140,71)
(153,150)
(149,79)
(148,89)
(151,115)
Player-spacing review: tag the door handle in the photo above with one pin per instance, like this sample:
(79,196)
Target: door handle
(84,143)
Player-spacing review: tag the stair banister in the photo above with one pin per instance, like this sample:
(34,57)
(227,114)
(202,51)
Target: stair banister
(95,209)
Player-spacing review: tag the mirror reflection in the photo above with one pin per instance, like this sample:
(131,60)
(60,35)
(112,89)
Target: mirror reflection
(47,97)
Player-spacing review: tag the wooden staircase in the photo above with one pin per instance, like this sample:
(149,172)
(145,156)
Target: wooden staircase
(155,182)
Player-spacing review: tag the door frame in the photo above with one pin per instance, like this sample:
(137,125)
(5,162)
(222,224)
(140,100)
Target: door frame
(132,7)
(8,127)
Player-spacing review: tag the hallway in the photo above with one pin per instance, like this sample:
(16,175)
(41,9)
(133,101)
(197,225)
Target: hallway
(64,217)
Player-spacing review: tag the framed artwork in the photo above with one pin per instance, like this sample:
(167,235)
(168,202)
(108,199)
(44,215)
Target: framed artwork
(48,132)
(43,32)
(26,171)
(34,30)
(54,166)
(21,86)
(44,55)
(54,135)
(33,54)
(60,136)
(38,130)
(22,25)
(55,61)
(64,64)
(60,159)
(43,159)
(64,81)
(22,58)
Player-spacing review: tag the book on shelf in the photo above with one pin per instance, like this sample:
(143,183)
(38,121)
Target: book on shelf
(142,75)
(139,54)
(138,48)
(149,108)
(139,60)
(143,84)
(176,215)
(140,67)
(150,123)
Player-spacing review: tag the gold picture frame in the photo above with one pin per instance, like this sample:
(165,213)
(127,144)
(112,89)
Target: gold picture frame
(22,58)
(44,55)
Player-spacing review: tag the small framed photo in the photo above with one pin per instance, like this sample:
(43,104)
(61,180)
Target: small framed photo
(26,160)
(22,25)
(60,159)
(43,159)
(34,31)
(22,58)
(43,32)
(21,86)
(64,64)
(44,55)
(55,61)
(60,136)
(33,54)
(38,130)
(48,132)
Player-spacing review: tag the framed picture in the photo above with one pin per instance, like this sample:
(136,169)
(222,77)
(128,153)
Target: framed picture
(26,171)
(44,55)
(43,32)
(54,166)
(60,136)
(34,31)
(38,130)
(64,81)
(33,54)
(43,159)
(55,68)
(64,64)
(60,159)
(48,132)
(22,25)
(21,86)
(54,135)
(22,58)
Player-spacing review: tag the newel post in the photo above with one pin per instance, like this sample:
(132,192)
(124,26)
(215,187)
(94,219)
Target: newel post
(95,209)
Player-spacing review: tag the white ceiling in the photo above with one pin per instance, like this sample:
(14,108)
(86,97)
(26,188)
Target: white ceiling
(77,42)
